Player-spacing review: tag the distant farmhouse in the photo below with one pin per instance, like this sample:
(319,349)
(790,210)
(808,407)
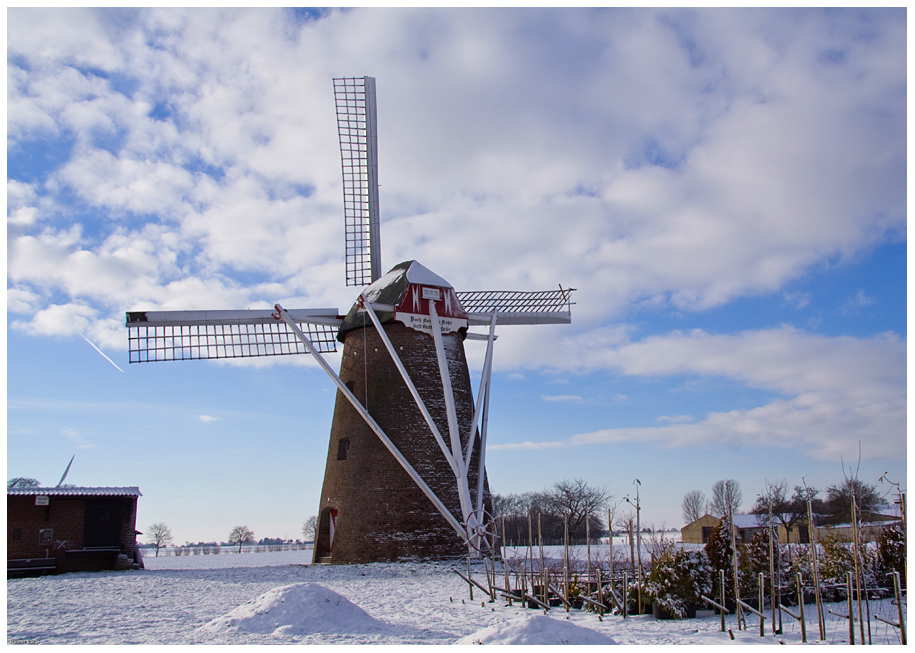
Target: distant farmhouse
(873,524)
(698,532)
(63,529)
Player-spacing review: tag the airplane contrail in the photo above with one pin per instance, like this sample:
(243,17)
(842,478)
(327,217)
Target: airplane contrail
(102,353)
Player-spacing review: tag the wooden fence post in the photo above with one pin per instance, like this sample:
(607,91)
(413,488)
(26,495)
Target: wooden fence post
(800,605)
(721,593)
(851,613)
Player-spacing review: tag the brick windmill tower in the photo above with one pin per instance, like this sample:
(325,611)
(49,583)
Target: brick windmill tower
(405,475)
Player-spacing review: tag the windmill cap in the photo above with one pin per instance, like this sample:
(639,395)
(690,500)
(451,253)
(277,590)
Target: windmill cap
(393,289)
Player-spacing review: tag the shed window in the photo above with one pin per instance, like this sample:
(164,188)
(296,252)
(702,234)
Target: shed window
(342,448)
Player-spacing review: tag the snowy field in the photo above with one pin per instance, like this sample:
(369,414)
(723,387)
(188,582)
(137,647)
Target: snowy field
(271,598)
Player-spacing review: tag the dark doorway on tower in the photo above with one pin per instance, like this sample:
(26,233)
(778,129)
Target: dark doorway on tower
(324,545)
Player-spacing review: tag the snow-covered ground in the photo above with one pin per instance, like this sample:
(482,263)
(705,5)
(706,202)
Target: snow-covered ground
(259,598)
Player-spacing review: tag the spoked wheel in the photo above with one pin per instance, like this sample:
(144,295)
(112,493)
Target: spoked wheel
(480,532)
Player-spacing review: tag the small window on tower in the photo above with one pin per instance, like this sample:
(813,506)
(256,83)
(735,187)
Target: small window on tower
(342,449)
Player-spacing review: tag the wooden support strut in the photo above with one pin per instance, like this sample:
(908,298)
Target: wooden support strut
(560,596)
(471,582)
(762,617)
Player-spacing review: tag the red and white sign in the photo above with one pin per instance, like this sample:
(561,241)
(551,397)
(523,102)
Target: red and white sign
(413,309)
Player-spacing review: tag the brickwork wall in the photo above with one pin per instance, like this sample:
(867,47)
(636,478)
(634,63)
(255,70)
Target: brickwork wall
(66,516)
(63,514)
(382,514)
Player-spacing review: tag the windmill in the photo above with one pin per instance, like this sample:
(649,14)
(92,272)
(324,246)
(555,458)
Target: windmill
(405,474)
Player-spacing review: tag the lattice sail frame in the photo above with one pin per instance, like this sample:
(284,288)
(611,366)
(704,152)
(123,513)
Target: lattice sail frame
(518,307)
(157,336)
(357,127)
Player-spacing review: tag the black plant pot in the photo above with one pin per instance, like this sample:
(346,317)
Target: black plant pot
(660,613)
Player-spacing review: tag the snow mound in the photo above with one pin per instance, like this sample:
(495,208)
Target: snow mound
(536,629)
(297,609)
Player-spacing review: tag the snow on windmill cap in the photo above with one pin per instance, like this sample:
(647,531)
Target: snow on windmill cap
(409,288)
(414,272)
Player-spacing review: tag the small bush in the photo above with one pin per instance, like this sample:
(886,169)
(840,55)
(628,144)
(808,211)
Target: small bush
(677,579)
(891,551)
(838,558)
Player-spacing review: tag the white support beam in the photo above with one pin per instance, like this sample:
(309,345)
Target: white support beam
(453,429)
(521,317)
(470,335)
(487,374)
(370,309)
(327,316)
(454,523)
(445,373)
(484,384)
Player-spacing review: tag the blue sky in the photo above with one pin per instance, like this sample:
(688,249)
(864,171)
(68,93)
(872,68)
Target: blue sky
(725,188)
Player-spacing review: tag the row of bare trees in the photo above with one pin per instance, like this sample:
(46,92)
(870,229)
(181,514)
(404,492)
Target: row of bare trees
(726,499)
(160,535)
(576,502)
(787,506)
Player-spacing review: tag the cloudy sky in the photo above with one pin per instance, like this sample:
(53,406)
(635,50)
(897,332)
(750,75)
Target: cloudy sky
(725,188)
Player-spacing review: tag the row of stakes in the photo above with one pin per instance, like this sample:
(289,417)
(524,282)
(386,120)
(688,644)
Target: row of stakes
(542,592)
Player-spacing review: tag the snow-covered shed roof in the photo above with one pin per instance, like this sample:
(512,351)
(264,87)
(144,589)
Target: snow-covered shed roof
(886,509)
(740,521)
(75,491)
(746,521)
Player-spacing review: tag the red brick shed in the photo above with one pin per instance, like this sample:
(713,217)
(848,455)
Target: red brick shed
(63,529)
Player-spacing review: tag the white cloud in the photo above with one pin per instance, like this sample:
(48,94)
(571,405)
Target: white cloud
(206,419)
(77,439)
(836,391)
(676,419)
(859,301)
(798,300)
(572,399)
(21,300)
(677,155)
(59,320)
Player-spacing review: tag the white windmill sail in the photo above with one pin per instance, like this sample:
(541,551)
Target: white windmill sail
(357,128)
(155,336)
(517,307)
(66,471)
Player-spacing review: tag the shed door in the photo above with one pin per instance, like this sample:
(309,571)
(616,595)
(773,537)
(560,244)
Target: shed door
(103,523)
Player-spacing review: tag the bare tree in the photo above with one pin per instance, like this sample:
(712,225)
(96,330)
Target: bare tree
(160,535)
(22,481)
(310,529)
(240,535)
(577,499)
(694,505)
(656,542)
(726,498)
(787,511)
(625,521)
(838,499)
